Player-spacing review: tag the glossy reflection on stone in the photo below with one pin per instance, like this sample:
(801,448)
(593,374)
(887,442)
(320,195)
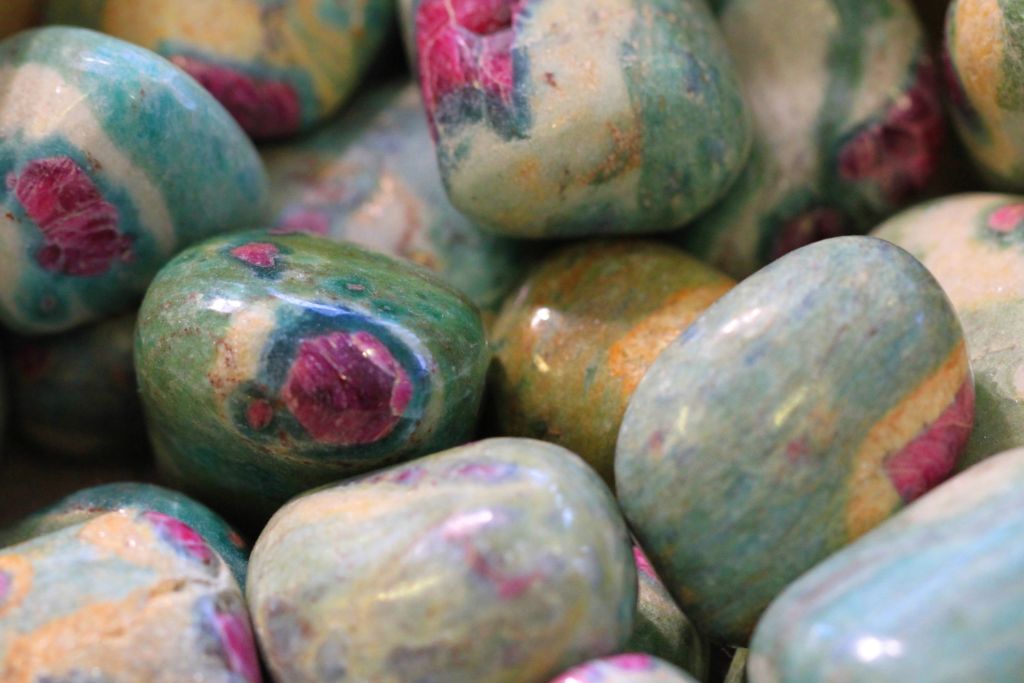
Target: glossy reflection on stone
(984,73)
(625,668)
(92,502)
(129,596)
(848,125)
(572,344)
(661,628)
(269,364)
(817,397)
(974,246)
(112,160)
(933,595)
(371,178)
(502,561)
(554,119)
(277,66)
(75,394)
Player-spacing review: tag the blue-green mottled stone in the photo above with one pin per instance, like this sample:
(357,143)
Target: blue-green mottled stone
(785,422)
(932,596)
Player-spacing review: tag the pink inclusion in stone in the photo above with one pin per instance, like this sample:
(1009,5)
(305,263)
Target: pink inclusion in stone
(809,226)
(1007,218)
(180,535)
(642,563)
(263,108)
(465,43)
(900,152)
(80,228)
(235,636)
(259,414)
(258,254)
(929,459)
(632,661)
(346,388)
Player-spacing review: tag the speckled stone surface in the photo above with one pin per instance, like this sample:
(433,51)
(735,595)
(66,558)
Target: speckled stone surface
(974,246)
(502,561)
(555,119)
(74,394)
(934,595)
(371,178)
(625,668)
(817,398)
(131,597)
(279,66)
(661,629)
(92,502)
(269,364)
(572,344)
(848,125)
(984,69)
(112,161)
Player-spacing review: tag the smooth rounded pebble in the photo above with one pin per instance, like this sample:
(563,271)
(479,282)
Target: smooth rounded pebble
(502,561)
(625,668)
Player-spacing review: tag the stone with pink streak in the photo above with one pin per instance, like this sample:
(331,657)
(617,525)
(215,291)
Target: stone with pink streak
(501,561)
(626,668)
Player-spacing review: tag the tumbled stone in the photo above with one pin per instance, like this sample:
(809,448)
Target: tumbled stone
(269,364)
(132,597)
(848,125)
(92,502)
(802,409)
(112,161)
(934,594)
(625,668)
(278,67)
(572,344)
(371,178)
(555,119)
(74,394)
(661,629)
(974,246)
(502,561)
(985,85)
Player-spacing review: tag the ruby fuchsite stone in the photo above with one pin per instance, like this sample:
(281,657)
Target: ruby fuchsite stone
(661,628)
(278,66)
(985,83)
(573,343)
(848,125)
(974,246)
(501,561)
(92,502)
(112,160)
(371,178)
(131,597)
(559,119)
(269,364)
(818,397)
(75,395)
(934,595)
(625,668)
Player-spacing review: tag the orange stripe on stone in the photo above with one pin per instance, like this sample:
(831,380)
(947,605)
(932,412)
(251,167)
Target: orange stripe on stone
(873,497)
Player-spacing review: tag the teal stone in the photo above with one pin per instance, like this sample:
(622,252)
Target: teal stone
(126,597)
(802,409)
(370,178)
(502,561)
(113,160)
(98,500)
(555,118)
(74,394)
(270,364)
(933,596)
(848,125)
(661,629)
(625,668)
